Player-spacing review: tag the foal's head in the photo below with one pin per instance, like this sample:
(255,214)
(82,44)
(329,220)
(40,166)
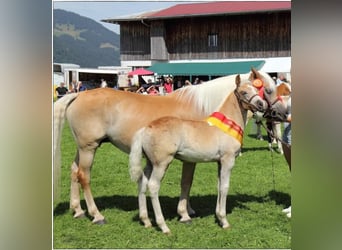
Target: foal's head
(249,96)
(276,107)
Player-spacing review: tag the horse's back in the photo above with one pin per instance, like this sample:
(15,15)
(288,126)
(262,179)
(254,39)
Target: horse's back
(105,114)
(189,140)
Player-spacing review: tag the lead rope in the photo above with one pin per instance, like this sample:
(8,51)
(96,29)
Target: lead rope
(273,178)
(271,132)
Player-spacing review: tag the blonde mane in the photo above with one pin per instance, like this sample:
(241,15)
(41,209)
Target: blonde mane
(208,96)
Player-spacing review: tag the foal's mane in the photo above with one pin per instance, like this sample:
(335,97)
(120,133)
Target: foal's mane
(208,96)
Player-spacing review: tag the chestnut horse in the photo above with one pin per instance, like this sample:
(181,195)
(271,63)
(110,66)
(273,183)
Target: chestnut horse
(283,90)
(108,115)
(215,139)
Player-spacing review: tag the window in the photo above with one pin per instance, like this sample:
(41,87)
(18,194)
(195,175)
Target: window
(212,40)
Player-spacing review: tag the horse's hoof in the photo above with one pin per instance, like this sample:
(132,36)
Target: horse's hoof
(167,232)
(188,222)
(148,225)
(100,222)
(79,216)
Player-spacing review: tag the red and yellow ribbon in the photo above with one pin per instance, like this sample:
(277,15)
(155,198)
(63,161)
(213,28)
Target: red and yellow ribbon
(228,126)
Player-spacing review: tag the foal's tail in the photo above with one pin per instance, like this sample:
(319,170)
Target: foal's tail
(135,156)
(59,110)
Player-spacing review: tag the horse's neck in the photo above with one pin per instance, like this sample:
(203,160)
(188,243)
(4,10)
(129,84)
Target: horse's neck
(232,109)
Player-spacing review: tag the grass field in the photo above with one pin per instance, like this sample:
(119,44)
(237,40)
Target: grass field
(260,188)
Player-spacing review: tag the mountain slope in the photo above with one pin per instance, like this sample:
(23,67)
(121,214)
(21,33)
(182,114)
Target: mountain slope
(83,41)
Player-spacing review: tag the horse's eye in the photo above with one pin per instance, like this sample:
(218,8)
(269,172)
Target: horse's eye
(243,92)
(268,91)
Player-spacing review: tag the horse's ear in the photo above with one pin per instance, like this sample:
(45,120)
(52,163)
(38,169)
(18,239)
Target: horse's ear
(237,80)
(254,74)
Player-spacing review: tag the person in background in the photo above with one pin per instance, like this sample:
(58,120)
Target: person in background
(281,78)
(187,83)
(61,90)
(179,84)
(287,146)
(197,81)
(103,83)
(130,84)
(168,85)
(152,90)
(141,90)
(80,87)
(73,86)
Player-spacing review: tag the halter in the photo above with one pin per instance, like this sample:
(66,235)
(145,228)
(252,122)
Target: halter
(227,125)
(248,102)
(258,83)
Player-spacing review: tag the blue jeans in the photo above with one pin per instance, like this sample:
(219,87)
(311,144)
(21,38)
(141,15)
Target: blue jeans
(287,133)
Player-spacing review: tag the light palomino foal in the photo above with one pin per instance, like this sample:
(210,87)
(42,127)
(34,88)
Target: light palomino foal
(170,137)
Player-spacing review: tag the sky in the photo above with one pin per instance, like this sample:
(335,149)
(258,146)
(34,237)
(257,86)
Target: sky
(99,10)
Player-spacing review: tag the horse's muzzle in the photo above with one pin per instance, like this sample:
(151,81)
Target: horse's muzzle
(261,105)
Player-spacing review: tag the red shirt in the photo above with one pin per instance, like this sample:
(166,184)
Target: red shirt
(168,87)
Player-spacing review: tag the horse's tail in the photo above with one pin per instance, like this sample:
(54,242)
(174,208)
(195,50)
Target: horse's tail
(135,156)
(59,111)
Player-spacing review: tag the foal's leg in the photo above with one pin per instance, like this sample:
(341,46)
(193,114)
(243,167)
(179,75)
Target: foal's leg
(184,209)
(142,186)
(86,157)
(75,202)
(277,132)
(154,186)
(227,164)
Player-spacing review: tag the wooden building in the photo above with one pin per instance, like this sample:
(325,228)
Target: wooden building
(213,32)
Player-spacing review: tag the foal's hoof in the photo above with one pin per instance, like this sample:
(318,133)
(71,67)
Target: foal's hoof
(168,233)
(100,222)
(79,216)
(188,222)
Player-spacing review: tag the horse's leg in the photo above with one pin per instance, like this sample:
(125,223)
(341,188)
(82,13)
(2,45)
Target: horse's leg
(277,131)
(154,186)
(217,209)
(75,202)
(86,157)
(269,125)
(142,185)
(227,164)
(184,209)
(258,133)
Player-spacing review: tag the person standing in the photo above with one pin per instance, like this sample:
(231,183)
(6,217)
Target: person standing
(73,86)
(80,87)
(103,83)
(281,78)
(168,85)
(287,146)
(61,90)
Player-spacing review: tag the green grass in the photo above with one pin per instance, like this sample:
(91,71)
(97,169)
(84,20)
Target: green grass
(260,188)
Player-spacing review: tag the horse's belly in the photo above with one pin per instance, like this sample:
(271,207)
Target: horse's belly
(196,156)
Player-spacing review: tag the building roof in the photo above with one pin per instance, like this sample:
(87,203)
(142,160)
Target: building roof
(208,8)
(214,8)
(209,68)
